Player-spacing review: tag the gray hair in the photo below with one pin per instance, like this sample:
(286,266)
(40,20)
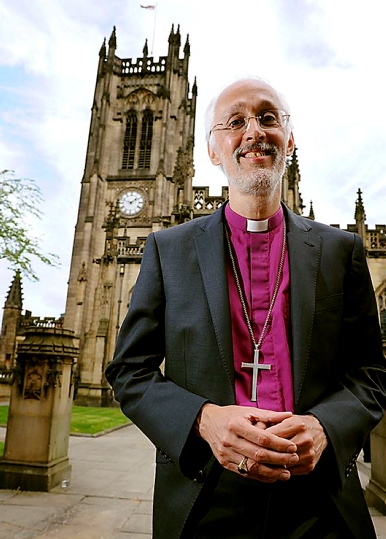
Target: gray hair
(209,113)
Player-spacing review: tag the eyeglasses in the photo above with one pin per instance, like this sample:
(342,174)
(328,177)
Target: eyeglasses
(269,119)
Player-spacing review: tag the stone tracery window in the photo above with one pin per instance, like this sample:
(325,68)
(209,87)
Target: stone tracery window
(146,139)
(129,141)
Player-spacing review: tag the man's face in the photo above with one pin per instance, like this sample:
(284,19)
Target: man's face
(252,159)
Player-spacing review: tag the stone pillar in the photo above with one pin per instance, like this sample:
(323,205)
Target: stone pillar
(376,489)
(38,429)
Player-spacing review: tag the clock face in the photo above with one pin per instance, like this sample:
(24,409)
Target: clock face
(132,202)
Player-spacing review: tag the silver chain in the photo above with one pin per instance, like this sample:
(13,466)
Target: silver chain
(275,292)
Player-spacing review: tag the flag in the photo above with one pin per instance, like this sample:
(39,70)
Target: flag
(148,7)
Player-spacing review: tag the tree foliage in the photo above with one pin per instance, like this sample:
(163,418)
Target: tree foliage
(20,199)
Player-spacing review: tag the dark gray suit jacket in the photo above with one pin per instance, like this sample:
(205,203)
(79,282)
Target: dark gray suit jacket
(180,311)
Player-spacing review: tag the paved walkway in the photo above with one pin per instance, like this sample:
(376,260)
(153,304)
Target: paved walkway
(108,497)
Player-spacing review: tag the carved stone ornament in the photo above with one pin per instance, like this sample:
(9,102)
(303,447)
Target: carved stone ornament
(140,97)
(82,275)
(33,382)
(54,375)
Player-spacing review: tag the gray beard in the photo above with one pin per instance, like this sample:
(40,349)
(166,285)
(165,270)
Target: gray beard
(259,181)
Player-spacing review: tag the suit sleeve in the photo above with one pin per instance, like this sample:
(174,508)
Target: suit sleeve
(357,403)
(164,411)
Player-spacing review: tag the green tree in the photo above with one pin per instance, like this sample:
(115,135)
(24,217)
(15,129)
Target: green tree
(20,199)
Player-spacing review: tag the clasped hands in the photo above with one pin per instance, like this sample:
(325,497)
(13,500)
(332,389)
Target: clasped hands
(276,444)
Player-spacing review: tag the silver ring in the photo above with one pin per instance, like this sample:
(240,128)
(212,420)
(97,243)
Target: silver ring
(243,466)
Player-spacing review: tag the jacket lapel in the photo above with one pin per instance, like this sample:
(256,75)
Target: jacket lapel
(210,246)
(304,249)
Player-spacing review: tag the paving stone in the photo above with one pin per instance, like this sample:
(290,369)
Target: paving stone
(138,523)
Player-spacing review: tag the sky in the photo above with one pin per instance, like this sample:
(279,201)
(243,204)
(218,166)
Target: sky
(327,57)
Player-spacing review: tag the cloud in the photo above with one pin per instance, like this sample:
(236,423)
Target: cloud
(303,37)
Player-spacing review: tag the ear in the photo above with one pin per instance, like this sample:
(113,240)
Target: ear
(213,155)
(291,144)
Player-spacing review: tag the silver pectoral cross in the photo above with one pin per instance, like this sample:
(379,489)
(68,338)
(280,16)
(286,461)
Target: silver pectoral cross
(256,367)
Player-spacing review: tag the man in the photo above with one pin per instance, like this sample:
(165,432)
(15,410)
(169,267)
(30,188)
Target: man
(274,373)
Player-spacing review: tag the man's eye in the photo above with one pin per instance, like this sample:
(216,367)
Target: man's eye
(269,118)
(236,123)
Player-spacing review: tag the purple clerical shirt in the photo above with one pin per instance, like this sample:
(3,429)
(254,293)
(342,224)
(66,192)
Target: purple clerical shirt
(257,256)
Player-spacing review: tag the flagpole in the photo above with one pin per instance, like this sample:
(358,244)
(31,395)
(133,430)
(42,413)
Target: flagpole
(154,22)
(152,7)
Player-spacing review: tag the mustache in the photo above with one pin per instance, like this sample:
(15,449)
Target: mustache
(256,147)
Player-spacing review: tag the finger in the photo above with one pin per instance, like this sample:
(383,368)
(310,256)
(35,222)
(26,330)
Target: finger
(247,467)
(288,428)
(267,417)
(259,455)
(267,474)
(274,459)
(267,439)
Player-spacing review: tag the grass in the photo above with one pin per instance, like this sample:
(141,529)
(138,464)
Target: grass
(84,420)
(3,416)
(90,420)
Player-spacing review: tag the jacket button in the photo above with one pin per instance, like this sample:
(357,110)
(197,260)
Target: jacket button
(200,477)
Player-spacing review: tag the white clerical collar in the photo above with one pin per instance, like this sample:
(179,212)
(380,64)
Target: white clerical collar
(253,225)
(257,226)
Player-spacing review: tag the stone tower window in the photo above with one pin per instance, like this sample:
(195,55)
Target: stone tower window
(129,141)
(146,139)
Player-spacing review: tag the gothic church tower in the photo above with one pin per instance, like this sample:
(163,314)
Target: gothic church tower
(137,179)
(11,323)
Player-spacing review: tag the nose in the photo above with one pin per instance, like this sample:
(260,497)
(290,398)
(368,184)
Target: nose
(253,129)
